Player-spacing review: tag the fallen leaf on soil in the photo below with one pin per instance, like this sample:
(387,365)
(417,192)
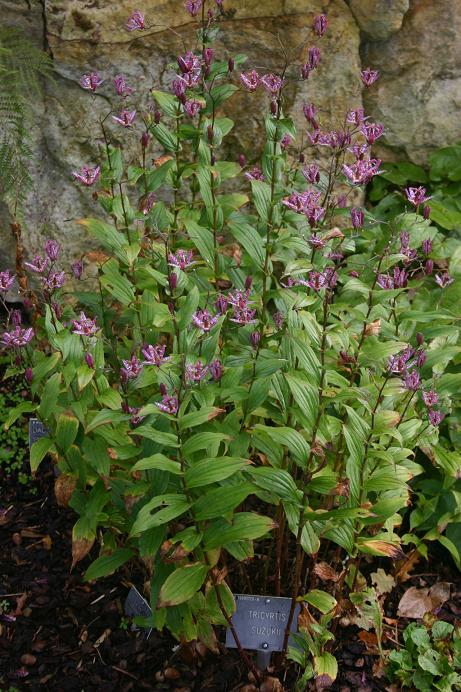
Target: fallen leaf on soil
(271,685)
(325,572)
(369,639)
(403,573)
(415,603)
(383,582)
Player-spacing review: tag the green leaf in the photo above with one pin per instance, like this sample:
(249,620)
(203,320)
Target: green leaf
(166,102)
(202,239)
(106,417)
(116,284)
(306,396)
(156,177)
(184,315)
(221,501)
(38,451)
(66,431)
(17,411)
(262,198)
(107,564)
(49,396)
(207,471)
(190,420)
(182,584)
(107,235)
(290,438)
(250,240)
(325,665)
(321,600)
(164,136)
(172,506)
(160,462)
(202,440)
(243,526)
(161,438)
(276,481)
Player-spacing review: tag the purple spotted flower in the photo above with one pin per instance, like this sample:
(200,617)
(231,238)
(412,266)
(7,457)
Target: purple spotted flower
(148,203)
(416,195)
(17,337)
(87,176)
(272,83)
(369,76)
(168,404)
(243,316)
(444,279)
(278,320)
(356,117)
(154,355)
(430,398)
(135,21)
(254,173)
(121,87)
(361,172)
(84,326)
(435,417)
(181,259)
(91,81)
(54,281)
(372,132)
(398,364)
(6,280)
(189,62)
(250,80)
(179,88)
(195,372)
(316,280)
(193,7)
(204,320)
(16,318)
(38,265)
(320,25)
(131,368)
(412,381)
(315,241)
(286,141)
(239,299)
(52,249)
(311,173)
(191,108)
(125,118)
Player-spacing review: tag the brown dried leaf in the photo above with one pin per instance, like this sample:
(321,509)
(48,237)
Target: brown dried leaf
(415,603)
(333,233)
(97,256)
(64,487)
(271,685)
(161,160)
(373,328)
(403,573)
(325,572)
(80,549)
(383,582)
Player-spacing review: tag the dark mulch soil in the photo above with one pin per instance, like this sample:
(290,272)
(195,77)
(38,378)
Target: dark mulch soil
(59,633)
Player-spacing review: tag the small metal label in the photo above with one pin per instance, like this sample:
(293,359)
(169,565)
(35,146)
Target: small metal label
(260,622)
(136,605)
(36,430)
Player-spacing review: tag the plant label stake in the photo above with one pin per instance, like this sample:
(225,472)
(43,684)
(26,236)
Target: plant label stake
(260,623)
(36,430)
(136,605)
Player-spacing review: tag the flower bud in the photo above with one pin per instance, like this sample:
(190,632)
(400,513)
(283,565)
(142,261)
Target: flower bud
(230,65)
(77,269)
(57,309)
(357,217)
(221,304)
(27,303)
(419,339)
(52,249)
(209,133)
(429,267)
(163,389)
(426,211)
(242,161)
(28,375)
(208,56)
(173,280)
(157,116)
(248,282)
(215,369)
(16,318)
(320,25)
(354,274)
(171,307)
(427,246)
(207,71)
(302,158)
(89,360)
(255,338)
(274,107)
(145,138)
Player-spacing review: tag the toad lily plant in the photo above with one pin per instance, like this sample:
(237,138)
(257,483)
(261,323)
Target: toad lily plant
(255,363)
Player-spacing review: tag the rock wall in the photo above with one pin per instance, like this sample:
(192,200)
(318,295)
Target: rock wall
(414,43)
